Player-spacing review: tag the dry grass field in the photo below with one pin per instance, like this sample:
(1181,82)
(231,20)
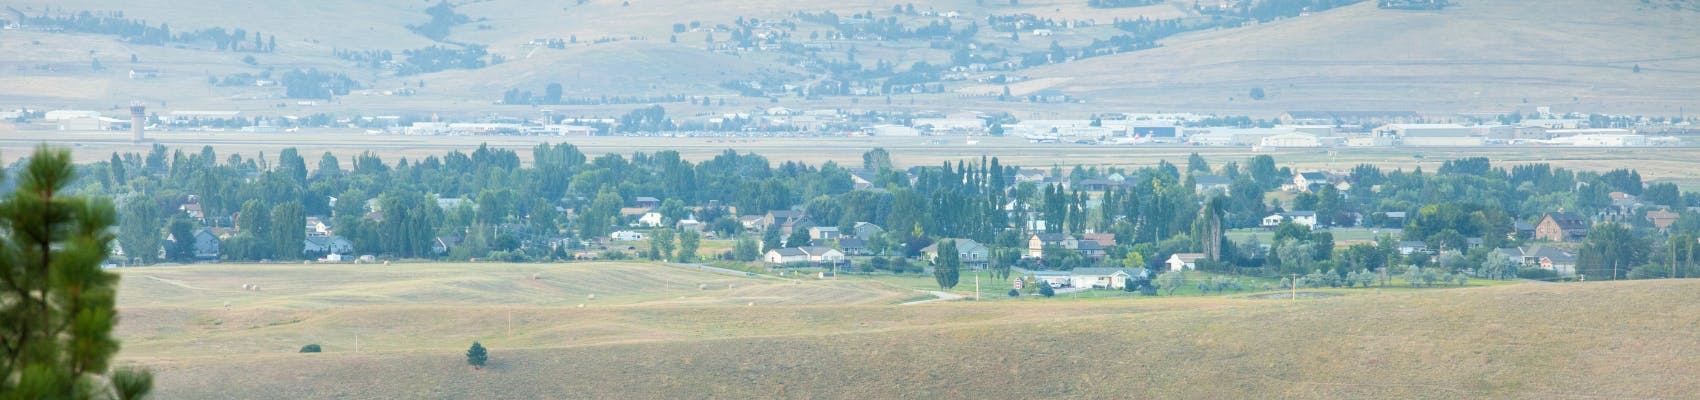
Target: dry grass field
(640,340)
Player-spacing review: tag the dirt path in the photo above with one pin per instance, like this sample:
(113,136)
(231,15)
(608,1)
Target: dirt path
(942,296)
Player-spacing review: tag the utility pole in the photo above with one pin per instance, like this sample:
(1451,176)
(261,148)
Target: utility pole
(1294,284)
(976,287)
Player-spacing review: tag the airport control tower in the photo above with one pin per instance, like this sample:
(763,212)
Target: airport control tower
(138,119)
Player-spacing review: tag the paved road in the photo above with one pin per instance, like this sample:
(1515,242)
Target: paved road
(942,296)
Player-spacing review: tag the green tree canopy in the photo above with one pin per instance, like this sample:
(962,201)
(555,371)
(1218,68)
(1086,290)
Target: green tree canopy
(57,302)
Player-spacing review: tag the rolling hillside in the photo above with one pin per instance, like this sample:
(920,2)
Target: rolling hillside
(1617,340)
(1480,55)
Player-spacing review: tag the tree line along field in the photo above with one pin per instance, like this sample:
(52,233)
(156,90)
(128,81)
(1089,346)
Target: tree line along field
(1509,341)
(1653,163)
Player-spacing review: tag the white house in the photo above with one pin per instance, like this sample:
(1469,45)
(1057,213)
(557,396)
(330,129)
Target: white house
(823,255)
(1183,261)
(1306,218)
(650,219)
(785,256)
(1104,278)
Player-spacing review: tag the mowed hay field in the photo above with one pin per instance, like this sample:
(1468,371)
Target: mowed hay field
(1615,340)
(204,310)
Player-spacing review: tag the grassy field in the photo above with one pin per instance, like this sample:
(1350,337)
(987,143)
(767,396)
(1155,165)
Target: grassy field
(414,321)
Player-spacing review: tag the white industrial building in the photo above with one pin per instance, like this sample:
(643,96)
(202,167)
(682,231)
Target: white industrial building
(1293,139)
(893,130)
(1424,130)
(1598,140)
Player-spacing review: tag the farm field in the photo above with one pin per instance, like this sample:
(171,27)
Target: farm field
(642,338)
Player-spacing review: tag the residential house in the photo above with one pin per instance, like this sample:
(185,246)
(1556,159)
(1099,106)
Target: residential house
(1030,175)
(972,254)
(1520,230)
(785,220)
(1105,278)
(1307,181)
(823,232)
(206,245)
(1662,219)
(1624,201)
(1560,261)
(861,179)
(751,222)
(853,246)
(1105,239)
(867,230)
(1183,261)
(1089,248)
(193,210)
(1412,246)
(1057,279)
(1211,184)
(808,254)
(327,245)
(1306,218)
(650,219)
(1561,226)
(822,254)
(1099,185)
(1036,243)
(646,202)
(442,244)
(689,224)
(785,255)
(317,227)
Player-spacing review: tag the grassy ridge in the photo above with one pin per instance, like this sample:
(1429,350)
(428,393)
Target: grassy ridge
(1478,56)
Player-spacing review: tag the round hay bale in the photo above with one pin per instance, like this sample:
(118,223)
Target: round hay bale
(702,286)
(536,276)
(752,304)
(592,296)
(247,287)
(580,305)
(386,263)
